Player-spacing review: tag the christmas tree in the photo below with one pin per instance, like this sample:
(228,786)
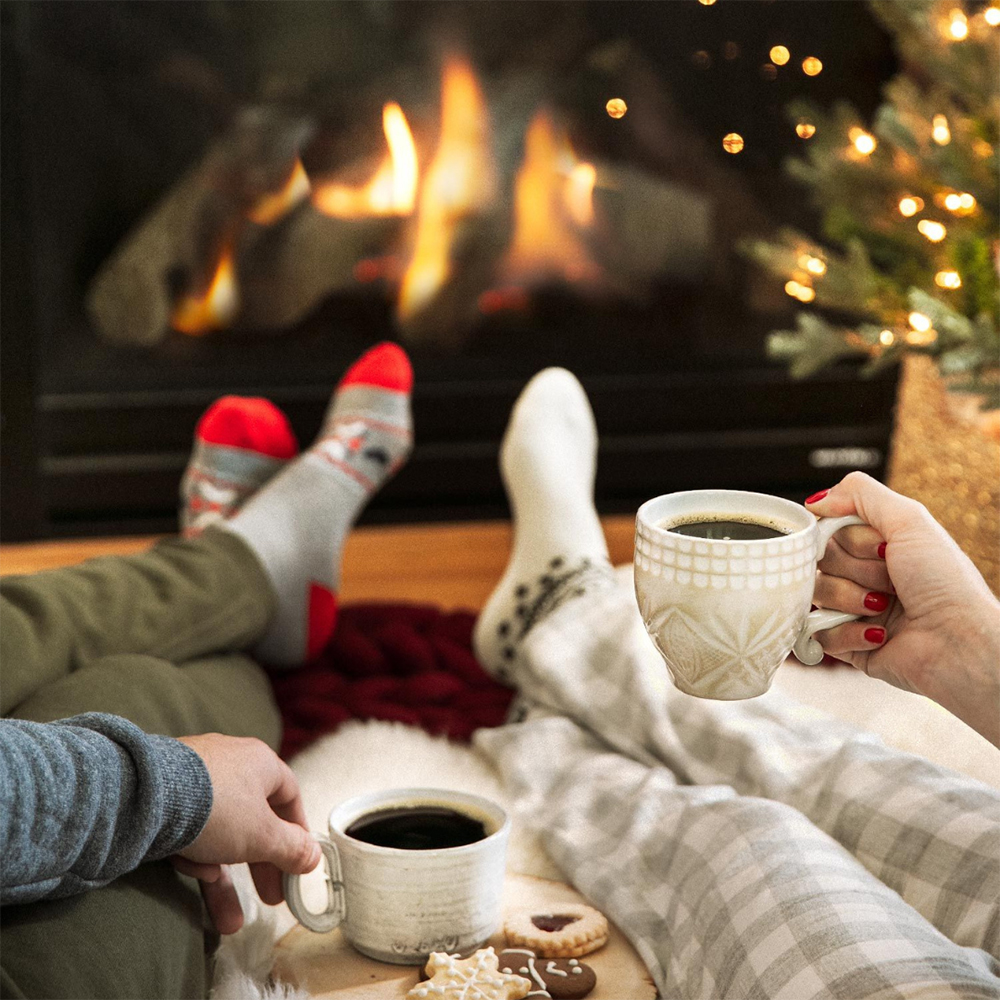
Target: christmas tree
(909,209)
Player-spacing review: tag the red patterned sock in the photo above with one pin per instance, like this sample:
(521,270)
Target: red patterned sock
(298,523)
(240,442)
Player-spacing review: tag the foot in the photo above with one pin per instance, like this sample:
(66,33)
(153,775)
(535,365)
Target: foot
(547,460)
(298,523)
(239,444)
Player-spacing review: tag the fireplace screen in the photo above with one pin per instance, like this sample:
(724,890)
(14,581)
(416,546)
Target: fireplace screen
(242,196)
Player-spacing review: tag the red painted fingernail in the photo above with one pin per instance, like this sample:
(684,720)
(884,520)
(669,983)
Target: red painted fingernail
(876,601)
(875,635)
(816,497)
(881,550)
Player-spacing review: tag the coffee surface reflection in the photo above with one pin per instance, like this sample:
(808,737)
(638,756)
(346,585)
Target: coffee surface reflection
(725,529)
(417,828)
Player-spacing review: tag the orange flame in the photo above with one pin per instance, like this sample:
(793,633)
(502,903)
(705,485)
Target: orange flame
(273,206)
(459,180)
(551,191)
(393,188)
(196,315)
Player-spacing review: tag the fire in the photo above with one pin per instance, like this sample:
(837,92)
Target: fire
(393,188)
(551,191)
(273,206)
(459,181)
(198,314)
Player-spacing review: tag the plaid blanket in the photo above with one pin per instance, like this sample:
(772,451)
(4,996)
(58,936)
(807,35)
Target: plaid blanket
(747,849)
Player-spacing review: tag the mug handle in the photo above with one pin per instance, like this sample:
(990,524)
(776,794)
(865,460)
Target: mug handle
(806,649)
(335,903)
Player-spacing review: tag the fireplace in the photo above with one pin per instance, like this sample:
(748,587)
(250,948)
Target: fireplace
(202,199)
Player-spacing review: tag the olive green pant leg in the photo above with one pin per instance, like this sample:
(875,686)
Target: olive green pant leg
(144,934)
(181,600)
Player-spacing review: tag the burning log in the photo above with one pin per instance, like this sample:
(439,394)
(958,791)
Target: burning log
(176,251)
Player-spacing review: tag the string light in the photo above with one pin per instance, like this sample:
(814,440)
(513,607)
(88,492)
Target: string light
(814,265)
(701,59)
(958,26)
(982,148)
(992,16)
(863,141)
(886,338)
(959,202)
(769,71)
(779,55)
(805,130)
(921,338)
(910,205)
(616,107)
(940,132)
(919,322)
(730,51)
(934,231)
(732,142)
(798,291)
(706,3)
(812,66)
(948,279)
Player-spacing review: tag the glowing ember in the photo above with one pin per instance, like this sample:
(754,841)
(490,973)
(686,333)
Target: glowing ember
(805,130)
(779,55)
(393,189)
(616,107)
(198,314)
(459,180)
(273,206)
(732,142)
(550,186)
(812,66)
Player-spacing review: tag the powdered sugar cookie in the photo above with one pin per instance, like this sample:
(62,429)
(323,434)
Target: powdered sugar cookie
(479,976)
(573,930)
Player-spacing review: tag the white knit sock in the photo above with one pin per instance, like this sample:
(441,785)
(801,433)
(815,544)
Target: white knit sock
(298,522)
(547,460)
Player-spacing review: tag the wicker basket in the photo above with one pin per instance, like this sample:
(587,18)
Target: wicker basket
(946,456)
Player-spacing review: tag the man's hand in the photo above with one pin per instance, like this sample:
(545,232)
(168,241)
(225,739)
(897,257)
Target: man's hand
(256,816)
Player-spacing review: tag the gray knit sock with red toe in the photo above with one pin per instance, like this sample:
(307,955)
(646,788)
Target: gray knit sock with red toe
(298,522)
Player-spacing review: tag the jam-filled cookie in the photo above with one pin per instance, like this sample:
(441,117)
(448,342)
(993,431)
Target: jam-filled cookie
(569,931)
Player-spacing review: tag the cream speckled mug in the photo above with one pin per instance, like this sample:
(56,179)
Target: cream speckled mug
(398,905)
(725,613)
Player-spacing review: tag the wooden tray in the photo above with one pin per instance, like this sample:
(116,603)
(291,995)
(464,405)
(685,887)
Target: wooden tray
(330,969)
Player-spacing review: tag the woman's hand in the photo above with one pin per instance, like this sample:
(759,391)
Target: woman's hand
(257,816)
(931,623)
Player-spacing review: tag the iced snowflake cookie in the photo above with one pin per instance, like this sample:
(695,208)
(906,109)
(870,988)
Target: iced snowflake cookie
(569,932)
(478,976)
(558,978)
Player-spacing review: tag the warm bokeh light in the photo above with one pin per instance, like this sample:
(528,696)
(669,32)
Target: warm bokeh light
(769,71)
(812,66)
(982,148)
(952,202)
(921,338)
(779,55)
(730,51)
(934,231)
(992,16)
(959,202)
(701,59)
(805,130)
(393,188)
(706,3)
(864,142)
(579,193)
(799,291)
(732,142)
(198,314)
(910,205)
(958,25)
(948,279)
(886,338)
(616,107)
(919,322)
(273,206)
(814,265)
(940,132)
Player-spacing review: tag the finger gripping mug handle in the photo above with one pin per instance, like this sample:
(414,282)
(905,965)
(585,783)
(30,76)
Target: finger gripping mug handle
(335,906)
(806,649)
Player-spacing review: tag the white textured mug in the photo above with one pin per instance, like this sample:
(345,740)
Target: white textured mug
(397,905)
(724,614)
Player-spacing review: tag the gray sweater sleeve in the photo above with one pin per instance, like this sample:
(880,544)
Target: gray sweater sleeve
(87,799)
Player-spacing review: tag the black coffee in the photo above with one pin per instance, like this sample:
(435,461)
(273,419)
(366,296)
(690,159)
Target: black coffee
(719,529)
(417,828)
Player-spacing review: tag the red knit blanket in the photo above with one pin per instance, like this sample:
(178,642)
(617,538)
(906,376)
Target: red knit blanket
(408,663)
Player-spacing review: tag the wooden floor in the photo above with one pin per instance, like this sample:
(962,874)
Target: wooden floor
(450,565)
